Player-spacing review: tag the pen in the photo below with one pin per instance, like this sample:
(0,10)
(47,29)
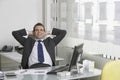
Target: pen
(40,72)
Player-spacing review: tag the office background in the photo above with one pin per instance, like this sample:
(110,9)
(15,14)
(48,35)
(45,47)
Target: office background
(92,22)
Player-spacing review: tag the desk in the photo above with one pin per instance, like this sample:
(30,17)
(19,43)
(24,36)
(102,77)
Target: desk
(16,57)
(96,72)
(9,60)
(12,55)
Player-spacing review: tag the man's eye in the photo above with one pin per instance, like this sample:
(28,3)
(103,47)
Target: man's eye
(41,30)
(36,30)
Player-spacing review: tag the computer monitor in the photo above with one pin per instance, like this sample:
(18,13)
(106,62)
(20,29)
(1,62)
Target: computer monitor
(77,56)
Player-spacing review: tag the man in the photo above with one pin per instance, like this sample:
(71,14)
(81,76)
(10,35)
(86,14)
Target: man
(30,57)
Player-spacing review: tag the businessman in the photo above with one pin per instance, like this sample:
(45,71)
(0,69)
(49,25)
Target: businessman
(39,50)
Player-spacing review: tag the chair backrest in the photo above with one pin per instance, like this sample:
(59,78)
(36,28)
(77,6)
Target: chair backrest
(111,70)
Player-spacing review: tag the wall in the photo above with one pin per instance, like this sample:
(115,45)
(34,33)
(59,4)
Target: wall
(17,14)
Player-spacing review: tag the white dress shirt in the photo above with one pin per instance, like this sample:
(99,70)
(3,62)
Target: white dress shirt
(34,55)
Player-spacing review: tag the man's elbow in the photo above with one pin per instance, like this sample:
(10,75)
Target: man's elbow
(13,33)
(65,32)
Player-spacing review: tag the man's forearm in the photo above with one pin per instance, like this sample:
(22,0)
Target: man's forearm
(18,35)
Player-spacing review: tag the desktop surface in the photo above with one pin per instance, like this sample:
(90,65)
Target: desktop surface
(28,75)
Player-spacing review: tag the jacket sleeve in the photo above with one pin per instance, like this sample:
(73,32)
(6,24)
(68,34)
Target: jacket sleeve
(19,36)
(59,35)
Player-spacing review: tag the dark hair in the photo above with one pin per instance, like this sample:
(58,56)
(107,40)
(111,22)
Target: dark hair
(38,24)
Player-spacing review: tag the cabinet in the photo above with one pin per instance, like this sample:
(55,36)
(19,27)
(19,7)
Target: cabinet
(6,63)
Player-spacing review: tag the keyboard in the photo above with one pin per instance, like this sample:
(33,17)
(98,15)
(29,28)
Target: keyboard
(58,69)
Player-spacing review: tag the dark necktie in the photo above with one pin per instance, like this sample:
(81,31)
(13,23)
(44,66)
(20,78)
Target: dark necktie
(40,52)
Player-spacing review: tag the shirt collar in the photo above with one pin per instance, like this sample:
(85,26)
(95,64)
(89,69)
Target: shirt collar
(39,39)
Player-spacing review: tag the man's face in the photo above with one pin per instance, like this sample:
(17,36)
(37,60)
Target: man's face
(39,32)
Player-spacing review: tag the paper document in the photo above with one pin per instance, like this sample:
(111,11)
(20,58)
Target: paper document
(31,71)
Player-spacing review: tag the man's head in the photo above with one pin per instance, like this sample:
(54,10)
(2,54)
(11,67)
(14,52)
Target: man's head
(39,30)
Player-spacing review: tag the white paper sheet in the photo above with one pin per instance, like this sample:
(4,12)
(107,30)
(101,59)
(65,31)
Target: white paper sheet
(31,71)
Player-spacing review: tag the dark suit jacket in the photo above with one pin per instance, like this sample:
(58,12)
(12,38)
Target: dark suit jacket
(28,44)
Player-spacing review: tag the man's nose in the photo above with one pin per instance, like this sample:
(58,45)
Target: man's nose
(39,31)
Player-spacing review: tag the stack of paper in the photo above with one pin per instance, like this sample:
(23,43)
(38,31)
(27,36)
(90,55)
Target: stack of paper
(31,71)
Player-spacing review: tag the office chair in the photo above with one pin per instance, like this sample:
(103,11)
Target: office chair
(111,70)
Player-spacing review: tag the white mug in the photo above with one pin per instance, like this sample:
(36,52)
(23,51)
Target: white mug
(85,66)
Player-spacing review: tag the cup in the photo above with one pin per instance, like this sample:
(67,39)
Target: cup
(91,66)
(88,66)
(85,66)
